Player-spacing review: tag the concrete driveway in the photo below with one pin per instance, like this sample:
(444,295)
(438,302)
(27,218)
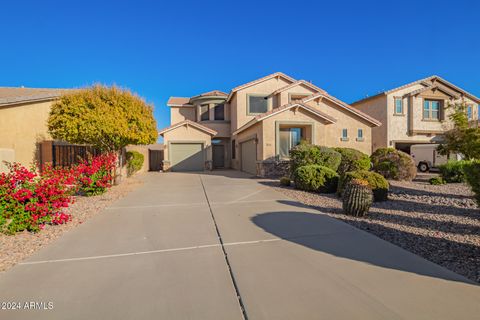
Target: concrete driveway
(225,246)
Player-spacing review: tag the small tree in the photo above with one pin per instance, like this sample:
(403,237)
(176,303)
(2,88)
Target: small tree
(462,138)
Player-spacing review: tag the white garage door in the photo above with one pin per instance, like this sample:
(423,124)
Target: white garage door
(249,156)
(187,157)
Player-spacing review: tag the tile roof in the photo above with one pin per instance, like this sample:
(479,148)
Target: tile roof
(188,123)
(213,93)
(425,81)
(14,95)
(254,82)
(296,83)
(344,105)
(178,101)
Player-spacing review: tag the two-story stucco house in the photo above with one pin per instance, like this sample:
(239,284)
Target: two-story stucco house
(253,127)
(415,113)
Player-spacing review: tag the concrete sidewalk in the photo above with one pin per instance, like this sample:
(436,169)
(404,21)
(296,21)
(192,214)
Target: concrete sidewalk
(156,255)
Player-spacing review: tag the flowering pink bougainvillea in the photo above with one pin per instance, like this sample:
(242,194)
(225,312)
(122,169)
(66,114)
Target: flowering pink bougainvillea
(29,200)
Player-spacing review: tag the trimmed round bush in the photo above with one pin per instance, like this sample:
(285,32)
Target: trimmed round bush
(376,181)
(452,171)
(307,154)
(352,160)
(472,175)
(285,181)
(316,178)
(436,181)
(134,162)
(394,164)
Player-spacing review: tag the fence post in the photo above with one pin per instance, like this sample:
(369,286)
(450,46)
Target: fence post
(46,152)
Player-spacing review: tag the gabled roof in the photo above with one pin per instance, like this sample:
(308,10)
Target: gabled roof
(16,95)
(344,106)
(188,123)
(212,93)
(433,87)
(178,102)
(297,83)
(254,82)
(426,82)
(285,107)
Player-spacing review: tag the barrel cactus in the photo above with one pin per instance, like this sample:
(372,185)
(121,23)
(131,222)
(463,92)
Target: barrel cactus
(357,198)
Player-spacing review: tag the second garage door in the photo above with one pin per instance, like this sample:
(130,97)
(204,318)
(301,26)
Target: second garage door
(187,156)
(249,156)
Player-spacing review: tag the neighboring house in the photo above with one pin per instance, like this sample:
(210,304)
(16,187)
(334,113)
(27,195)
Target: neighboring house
(415,113)
(253,127)
(24,134)
(23,122)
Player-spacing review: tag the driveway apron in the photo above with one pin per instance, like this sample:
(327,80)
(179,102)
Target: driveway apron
(222,245)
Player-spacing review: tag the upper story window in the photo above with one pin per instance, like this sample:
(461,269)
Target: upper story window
(204,112)
(470,112)
(219,111)
(360,135)
(398,106)
(344,134)
(257,104)
(431,109)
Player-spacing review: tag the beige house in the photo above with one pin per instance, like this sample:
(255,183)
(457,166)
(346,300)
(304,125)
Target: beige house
(253,127)
(23,122)
(415,113)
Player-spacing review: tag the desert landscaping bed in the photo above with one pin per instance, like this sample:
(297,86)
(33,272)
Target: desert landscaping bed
(440,223)
(18,247)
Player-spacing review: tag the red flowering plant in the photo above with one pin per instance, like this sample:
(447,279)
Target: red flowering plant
(96,174)
(28,200)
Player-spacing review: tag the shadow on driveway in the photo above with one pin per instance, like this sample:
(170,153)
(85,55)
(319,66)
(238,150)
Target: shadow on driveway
(356,245)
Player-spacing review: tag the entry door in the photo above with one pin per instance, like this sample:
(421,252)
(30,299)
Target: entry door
(218,156)
(249,156)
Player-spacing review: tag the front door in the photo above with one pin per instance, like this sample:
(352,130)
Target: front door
(218,156)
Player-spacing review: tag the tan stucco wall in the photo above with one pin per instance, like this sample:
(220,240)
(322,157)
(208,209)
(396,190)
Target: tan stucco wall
(187,134)
(22,127)
(222,127)
(239,102)
(179,114)
(376,108)
(144,150)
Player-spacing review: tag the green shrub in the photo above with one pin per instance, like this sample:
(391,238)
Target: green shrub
(437,181)
(307,154)
(452,171)
(285,181)
(472,175)
(393,164)
(316,178)
(352,160)
(377,183)
(134,162)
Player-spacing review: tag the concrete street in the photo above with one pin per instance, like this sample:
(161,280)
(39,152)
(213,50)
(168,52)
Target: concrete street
(157,254)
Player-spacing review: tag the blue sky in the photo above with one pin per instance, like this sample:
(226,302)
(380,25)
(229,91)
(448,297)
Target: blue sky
(178,48)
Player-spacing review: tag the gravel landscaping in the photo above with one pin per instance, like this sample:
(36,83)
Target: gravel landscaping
(18,247)
(440,223)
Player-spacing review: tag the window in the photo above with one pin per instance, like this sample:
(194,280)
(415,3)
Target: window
(431,110)
(289,138)
(344,134)
(220,112)
(398,106)
(233,149)
(470,112)
(257,104)
(204,112)
(360,135)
